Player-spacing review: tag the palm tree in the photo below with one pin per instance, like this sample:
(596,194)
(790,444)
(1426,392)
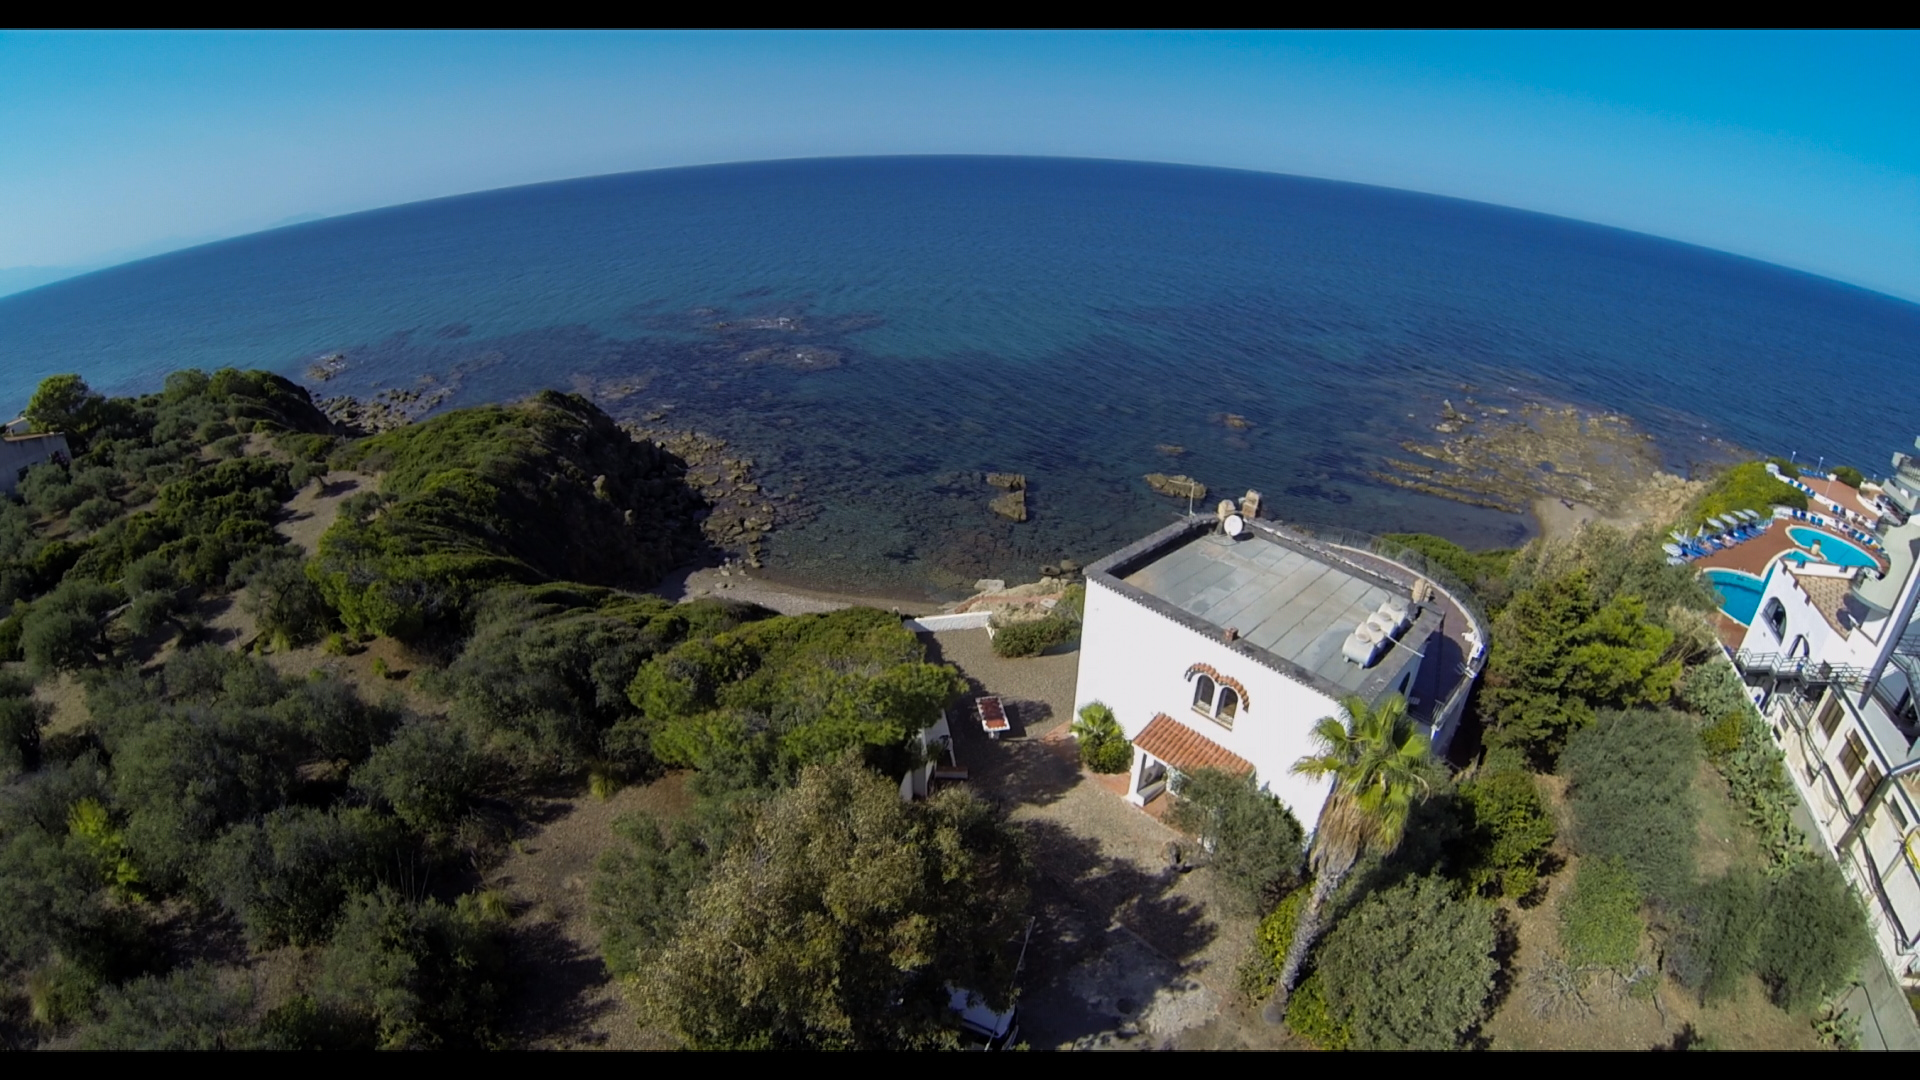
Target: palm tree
(1380,768)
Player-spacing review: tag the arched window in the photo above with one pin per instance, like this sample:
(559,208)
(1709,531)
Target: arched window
(1775,616)
(1799,650)
(1229,705)
(1203,694)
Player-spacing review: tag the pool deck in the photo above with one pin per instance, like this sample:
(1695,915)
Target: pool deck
(1754,557)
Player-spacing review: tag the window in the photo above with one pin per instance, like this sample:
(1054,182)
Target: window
(1868,781)
(1830,717)
(1229,704)
(1899,815)
(1775,616)
(1203,690)
(1215,696)
(1853,755)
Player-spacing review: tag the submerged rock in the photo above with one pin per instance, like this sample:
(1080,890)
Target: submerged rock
(1012,505)
(1010,481)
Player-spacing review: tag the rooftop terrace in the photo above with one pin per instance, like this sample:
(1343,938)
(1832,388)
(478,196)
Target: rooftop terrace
(1288,604)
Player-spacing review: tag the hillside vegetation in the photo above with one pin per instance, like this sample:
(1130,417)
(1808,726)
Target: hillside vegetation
(206,816)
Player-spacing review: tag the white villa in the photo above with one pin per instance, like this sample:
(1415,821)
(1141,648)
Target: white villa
(1220,641)
(20,451)
(1833,659)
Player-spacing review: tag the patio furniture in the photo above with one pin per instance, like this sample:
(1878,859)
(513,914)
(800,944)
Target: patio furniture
(993,716)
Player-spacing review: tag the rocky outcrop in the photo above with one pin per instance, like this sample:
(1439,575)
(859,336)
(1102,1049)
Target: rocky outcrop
(1008,481)
(1012,505)
(1180,487)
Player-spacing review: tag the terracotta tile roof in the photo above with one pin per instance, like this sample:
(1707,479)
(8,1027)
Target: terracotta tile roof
(1186,749)
(1829,596)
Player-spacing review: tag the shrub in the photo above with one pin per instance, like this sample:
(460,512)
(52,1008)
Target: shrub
(189,1009)
(93,513)
(429,774)
(647,880)
(1103,745)
(1559,654)
(1256,844)
(844,918)
(1410,968)
(285,603)
(1630,778)
(417,975)
(21,718)
(1033,637)
(287,876)
(1747,486)
(55,641)
(1508,833)
(1311,1017)
(1600,923)
(151,611)
(1261,972)
(1849,475)
(1816,936)
(1716,936)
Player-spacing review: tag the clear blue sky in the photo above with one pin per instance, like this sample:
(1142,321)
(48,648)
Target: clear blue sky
(1798,148)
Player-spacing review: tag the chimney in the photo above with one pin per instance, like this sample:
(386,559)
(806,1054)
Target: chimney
(1230,635)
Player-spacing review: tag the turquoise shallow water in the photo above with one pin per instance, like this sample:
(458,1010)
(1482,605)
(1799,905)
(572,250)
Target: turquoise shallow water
(877,332)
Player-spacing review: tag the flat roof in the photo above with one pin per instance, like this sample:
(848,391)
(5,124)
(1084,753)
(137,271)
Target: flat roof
(1282,598)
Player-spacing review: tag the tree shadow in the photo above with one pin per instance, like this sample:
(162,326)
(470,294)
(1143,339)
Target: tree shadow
(559,984)
(1687,1038)
(1110,936)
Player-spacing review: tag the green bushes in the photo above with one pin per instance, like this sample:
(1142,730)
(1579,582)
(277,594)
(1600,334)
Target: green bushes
(1033,637)
(1849,476)
(750,706)
(1507,831)
(284,602)
(1262,969)
(1717,935)
(1600,923)
(1817,934)
(1803,932)
(1409,968)
(21,718)
(1559,654)
(1257,847)
(1740,746)
(1629,785)
(416,975)
(842,918)
(499,494)
(1485,572)
(1747,486)
(287,876)
(1103,745)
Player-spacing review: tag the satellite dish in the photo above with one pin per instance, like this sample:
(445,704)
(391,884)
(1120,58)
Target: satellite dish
(1234,525)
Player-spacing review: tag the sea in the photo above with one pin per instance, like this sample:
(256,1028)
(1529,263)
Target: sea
(876,334)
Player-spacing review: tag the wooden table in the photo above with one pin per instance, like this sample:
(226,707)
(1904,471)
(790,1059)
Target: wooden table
(993,716)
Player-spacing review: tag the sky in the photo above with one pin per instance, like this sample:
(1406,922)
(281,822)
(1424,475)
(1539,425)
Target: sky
(1797,148)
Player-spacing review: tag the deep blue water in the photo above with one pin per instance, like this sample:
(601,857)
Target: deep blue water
(1057,318)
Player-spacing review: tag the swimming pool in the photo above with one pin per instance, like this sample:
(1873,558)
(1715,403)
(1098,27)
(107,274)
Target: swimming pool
(1739,593)
(1832,549)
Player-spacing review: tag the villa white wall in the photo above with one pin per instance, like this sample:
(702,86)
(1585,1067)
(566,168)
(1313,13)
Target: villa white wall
(1824,643)
(18,454)
(1135,660)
